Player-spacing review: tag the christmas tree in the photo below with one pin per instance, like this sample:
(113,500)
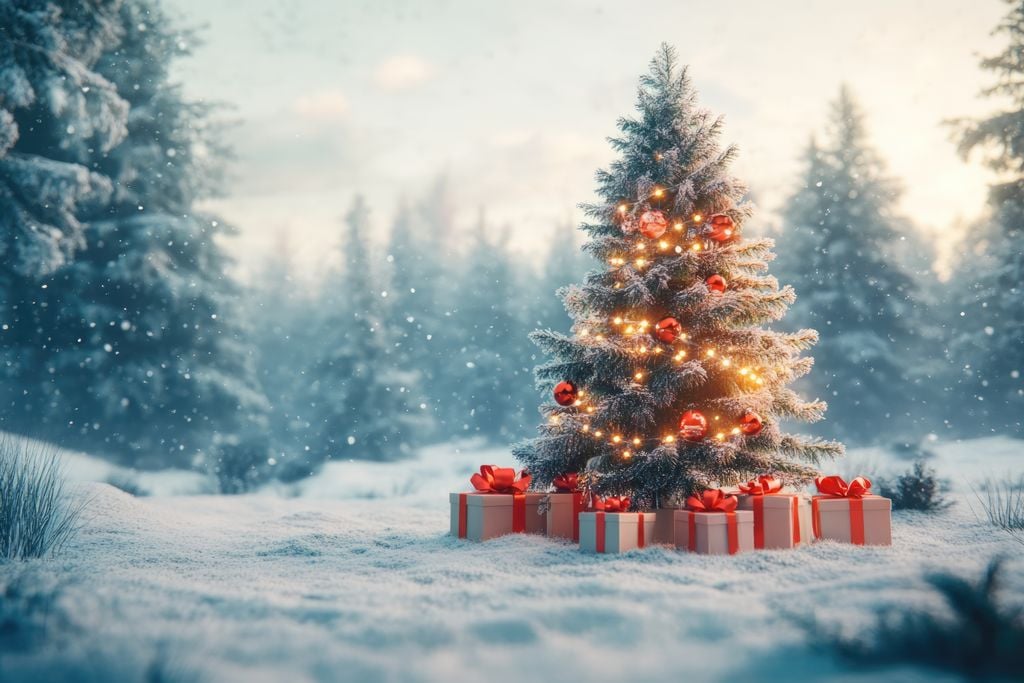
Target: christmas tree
(670,382)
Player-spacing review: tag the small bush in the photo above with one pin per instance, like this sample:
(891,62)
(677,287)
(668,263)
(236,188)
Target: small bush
(241,466)
(979,636)
(917,489)
(1003,502)
(36,518)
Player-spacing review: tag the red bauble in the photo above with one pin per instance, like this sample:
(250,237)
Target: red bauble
(693,426)
(716,283)
(750,423)
(668,330)
(653,224)
(721,228)
(566,393)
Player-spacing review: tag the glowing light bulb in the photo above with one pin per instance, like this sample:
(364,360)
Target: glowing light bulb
(711,353)
(726,363)
(626,454)
(640,246)
(720,436)
(636,441)
(663,245)
(590,409)
(638,375)
(735,430)
(599,433)
(584,332)
(669,439)
(678,226)
(622,208)
(617,320)
(696,246)
(679,250)
(658,192)
(640,263)
(586,428)
(616,439)
(697,218)
(629,329)
(744,371)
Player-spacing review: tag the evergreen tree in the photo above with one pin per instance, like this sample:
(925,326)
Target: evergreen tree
(56,112)
(144,349)
(838,251)
(987,326)
(362,397)
(490,370)
(678,386)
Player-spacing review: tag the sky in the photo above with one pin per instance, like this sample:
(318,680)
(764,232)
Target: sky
(513,102)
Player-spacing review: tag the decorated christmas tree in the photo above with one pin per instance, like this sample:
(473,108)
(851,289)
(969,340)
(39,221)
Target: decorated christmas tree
(671,382)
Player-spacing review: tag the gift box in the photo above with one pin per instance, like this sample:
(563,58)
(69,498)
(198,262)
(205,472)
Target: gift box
(850,513)
(564,507)
(781,520)
(499,506)
(613,530)
(711,525)
(665,524)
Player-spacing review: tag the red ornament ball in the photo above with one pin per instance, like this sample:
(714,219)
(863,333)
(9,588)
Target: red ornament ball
(716,283)
(566,393)
(668,330)
(653,224)
(693,426)
(721,228)
(750,423)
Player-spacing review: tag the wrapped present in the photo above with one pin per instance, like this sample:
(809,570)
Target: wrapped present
(850,513)
(500,505)
(781,520)
(609,528)
(564,507)
(711,525)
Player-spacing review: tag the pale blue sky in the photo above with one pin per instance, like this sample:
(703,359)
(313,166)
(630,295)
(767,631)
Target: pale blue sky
(514,100)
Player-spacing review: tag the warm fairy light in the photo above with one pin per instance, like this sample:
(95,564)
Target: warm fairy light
(744,371)
(720,436)
(616,261)
(640,263)
(638,375)
(584,332)
(636,441)
(640,246)
(683,336)
(669,439)
(658,192)
(696,246)
(681,355)
(616,439)
(629,329)
(600,337)
(718,417)
(663,245)
(678,226)
(617,320)
(586,428)
(598,433)
(658,349)
(626,454)
(697,218)
(642,349)
(622,208)
(760,381)
(578,403)
(658,157)
(618,285)
(711,353)
(726,363)
(679,250)
(735,430)
(590,409)
(553,419)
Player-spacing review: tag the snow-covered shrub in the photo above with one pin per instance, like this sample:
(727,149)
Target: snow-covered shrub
(980,635)
(1003,502)
(917,489)
(241,465)
(36,517)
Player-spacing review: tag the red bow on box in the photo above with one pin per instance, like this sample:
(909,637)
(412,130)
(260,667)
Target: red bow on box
(494,479)
(612,504)
(712,500)
(836,487)
(567,483)
(761,486)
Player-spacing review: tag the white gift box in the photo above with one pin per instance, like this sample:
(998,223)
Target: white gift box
(480,516)
(615,532)
(665,525)
(860,521)
(781,520)
(563,515)
(707,533)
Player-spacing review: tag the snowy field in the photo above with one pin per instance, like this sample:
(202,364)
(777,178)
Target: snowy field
(351,576)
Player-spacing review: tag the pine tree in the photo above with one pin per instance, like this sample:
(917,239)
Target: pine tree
(144,351)
(669,220)
(838,251)
(362,397)
(56,112)
(988,322)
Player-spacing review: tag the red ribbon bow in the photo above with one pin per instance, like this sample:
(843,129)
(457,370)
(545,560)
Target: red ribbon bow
(566,483)
(761,486)
(494,479)
(836,487)
(712,500)
(612,504)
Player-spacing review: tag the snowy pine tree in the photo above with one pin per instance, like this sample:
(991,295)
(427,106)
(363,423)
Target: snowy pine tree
(56,113)
(143,349)
(363,401)
(987,326)
(838,251)
(669,382)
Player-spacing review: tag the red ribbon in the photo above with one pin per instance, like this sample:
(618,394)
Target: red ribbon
(835,487)
(761,486)
(564,483)
(714,500)
(577,508)
(599,528)
(463,514)
(611,504)
(494,479)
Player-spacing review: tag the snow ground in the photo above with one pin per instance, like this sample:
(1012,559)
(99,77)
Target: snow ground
(353,578)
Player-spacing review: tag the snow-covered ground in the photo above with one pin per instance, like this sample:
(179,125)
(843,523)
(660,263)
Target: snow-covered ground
(351,576)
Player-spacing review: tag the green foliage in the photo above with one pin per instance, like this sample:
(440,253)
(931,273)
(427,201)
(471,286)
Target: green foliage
(36,517)
(980,635)
(1003,503)
(917,489)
